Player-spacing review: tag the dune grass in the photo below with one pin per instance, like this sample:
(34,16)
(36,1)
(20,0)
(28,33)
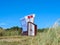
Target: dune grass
(51,37)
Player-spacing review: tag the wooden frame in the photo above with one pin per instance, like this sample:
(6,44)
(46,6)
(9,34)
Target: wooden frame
(32,29)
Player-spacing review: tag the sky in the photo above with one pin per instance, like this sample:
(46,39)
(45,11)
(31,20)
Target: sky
(46,12)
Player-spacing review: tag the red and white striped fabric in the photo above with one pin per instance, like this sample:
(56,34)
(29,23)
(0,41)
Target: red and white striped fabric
(30,18)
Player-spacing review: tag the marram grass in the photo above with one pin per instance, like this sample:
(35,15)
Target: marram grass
(51,37)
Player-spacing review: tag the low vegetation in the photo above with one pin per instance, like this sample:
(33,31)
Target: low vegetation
(10,31)
(45,36)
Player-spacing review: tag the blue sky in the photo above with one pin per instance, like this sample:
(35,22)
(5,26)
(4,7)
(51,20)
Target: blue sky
(47,12)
